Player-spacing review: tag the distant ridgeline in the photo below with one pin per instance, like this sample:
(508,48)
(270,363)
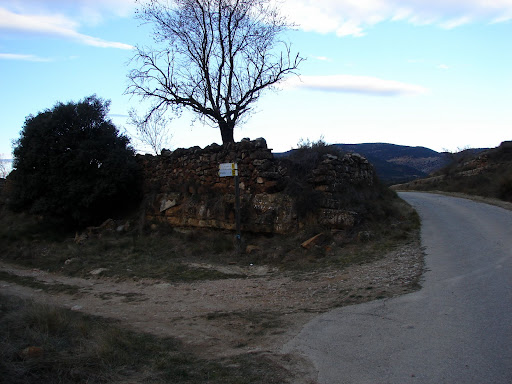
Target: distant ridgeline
(479,172)
(183,188)
(396,164)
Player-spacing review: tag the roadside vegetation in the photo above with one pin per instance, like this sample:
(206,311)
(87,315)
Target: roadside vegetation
(486,174)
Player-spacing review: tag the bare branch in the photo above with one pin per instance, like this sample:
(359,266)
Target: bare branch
(153,129)
(215,57)
(3,167)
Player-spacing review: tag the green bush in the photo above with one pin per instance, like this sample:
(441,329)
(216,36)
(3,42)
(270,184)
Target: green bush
(72,165)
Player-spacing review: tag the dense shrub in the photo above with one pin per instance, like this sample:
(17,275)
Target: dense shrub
(72,165)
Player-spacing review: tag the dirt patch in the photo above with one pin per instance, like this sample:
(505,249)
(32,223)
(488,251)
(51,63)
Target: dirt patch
(233,316)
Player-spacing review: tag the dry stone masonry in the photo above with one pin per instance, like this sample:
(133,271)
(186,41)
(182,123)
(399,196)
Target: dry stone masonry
(183,188)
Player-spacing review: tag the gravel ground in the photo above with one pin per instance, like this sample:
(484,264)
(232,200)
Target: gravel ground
(259,313)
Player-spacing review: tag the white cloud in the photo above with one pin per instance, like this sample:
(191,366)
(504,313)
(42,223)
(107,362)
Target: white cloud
(321,58)
(454,23)
(87,11)
(355,84)
(22,57)
(354,17)
(51,25)
(350,28)
(443,66)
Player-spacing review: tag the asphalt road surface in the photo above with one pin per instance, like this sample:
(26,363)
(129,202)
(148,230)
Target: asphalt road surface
(456,329)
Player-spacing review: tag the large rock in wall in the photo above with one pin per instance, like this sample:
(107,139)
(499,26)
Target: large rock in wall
(184,189)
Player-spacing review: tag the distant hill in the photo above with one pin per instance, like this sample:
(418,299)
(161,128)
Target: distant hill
(485,173)
(396,164)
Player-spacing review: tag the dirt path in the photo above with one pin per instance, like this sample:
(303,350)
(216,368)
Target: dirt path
(231,316)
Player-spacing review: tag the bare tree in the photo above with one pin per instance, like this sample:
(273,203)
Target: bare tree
(152,131)
(3,168)
(214,57)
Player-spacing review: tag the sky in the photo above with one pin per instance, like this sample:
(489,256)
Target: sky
(432,73)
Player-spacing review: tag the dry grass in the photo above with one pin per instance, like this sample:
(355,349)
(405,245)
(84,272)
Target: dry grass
(34,283)
(159,255)
(68,347)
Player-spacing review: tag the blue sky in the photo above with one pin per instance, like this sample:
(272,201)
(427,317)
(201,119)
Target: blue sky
(434,73)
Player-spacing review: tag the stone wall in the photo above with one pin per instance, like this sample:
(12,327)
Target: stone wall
(184,189)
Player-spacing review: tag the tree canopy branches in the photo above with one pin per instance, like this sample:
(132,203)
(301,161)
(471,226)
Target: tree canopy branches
(214,57)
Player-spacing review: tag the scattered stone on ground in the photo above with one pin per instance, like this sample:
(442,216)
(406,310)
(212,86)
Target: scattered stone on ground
(257,313)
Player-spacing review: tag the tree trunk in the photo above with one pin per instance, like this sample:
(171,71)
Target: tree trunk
(226,131)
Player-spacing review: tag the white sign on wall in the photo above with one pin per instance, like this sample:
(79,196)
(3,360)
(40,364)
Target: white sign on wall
(228,169)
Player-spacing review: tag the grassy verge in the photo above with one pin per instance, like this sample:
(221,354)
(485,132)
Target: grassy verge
(34,283)
(158,255)
(44,344)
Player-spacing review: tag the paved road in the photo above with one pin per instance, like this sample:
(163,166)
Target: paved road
(456,329)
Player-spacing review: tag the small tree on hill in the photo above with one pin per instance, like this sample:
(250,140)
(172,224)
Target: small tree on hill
(214,57)
(72,164)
